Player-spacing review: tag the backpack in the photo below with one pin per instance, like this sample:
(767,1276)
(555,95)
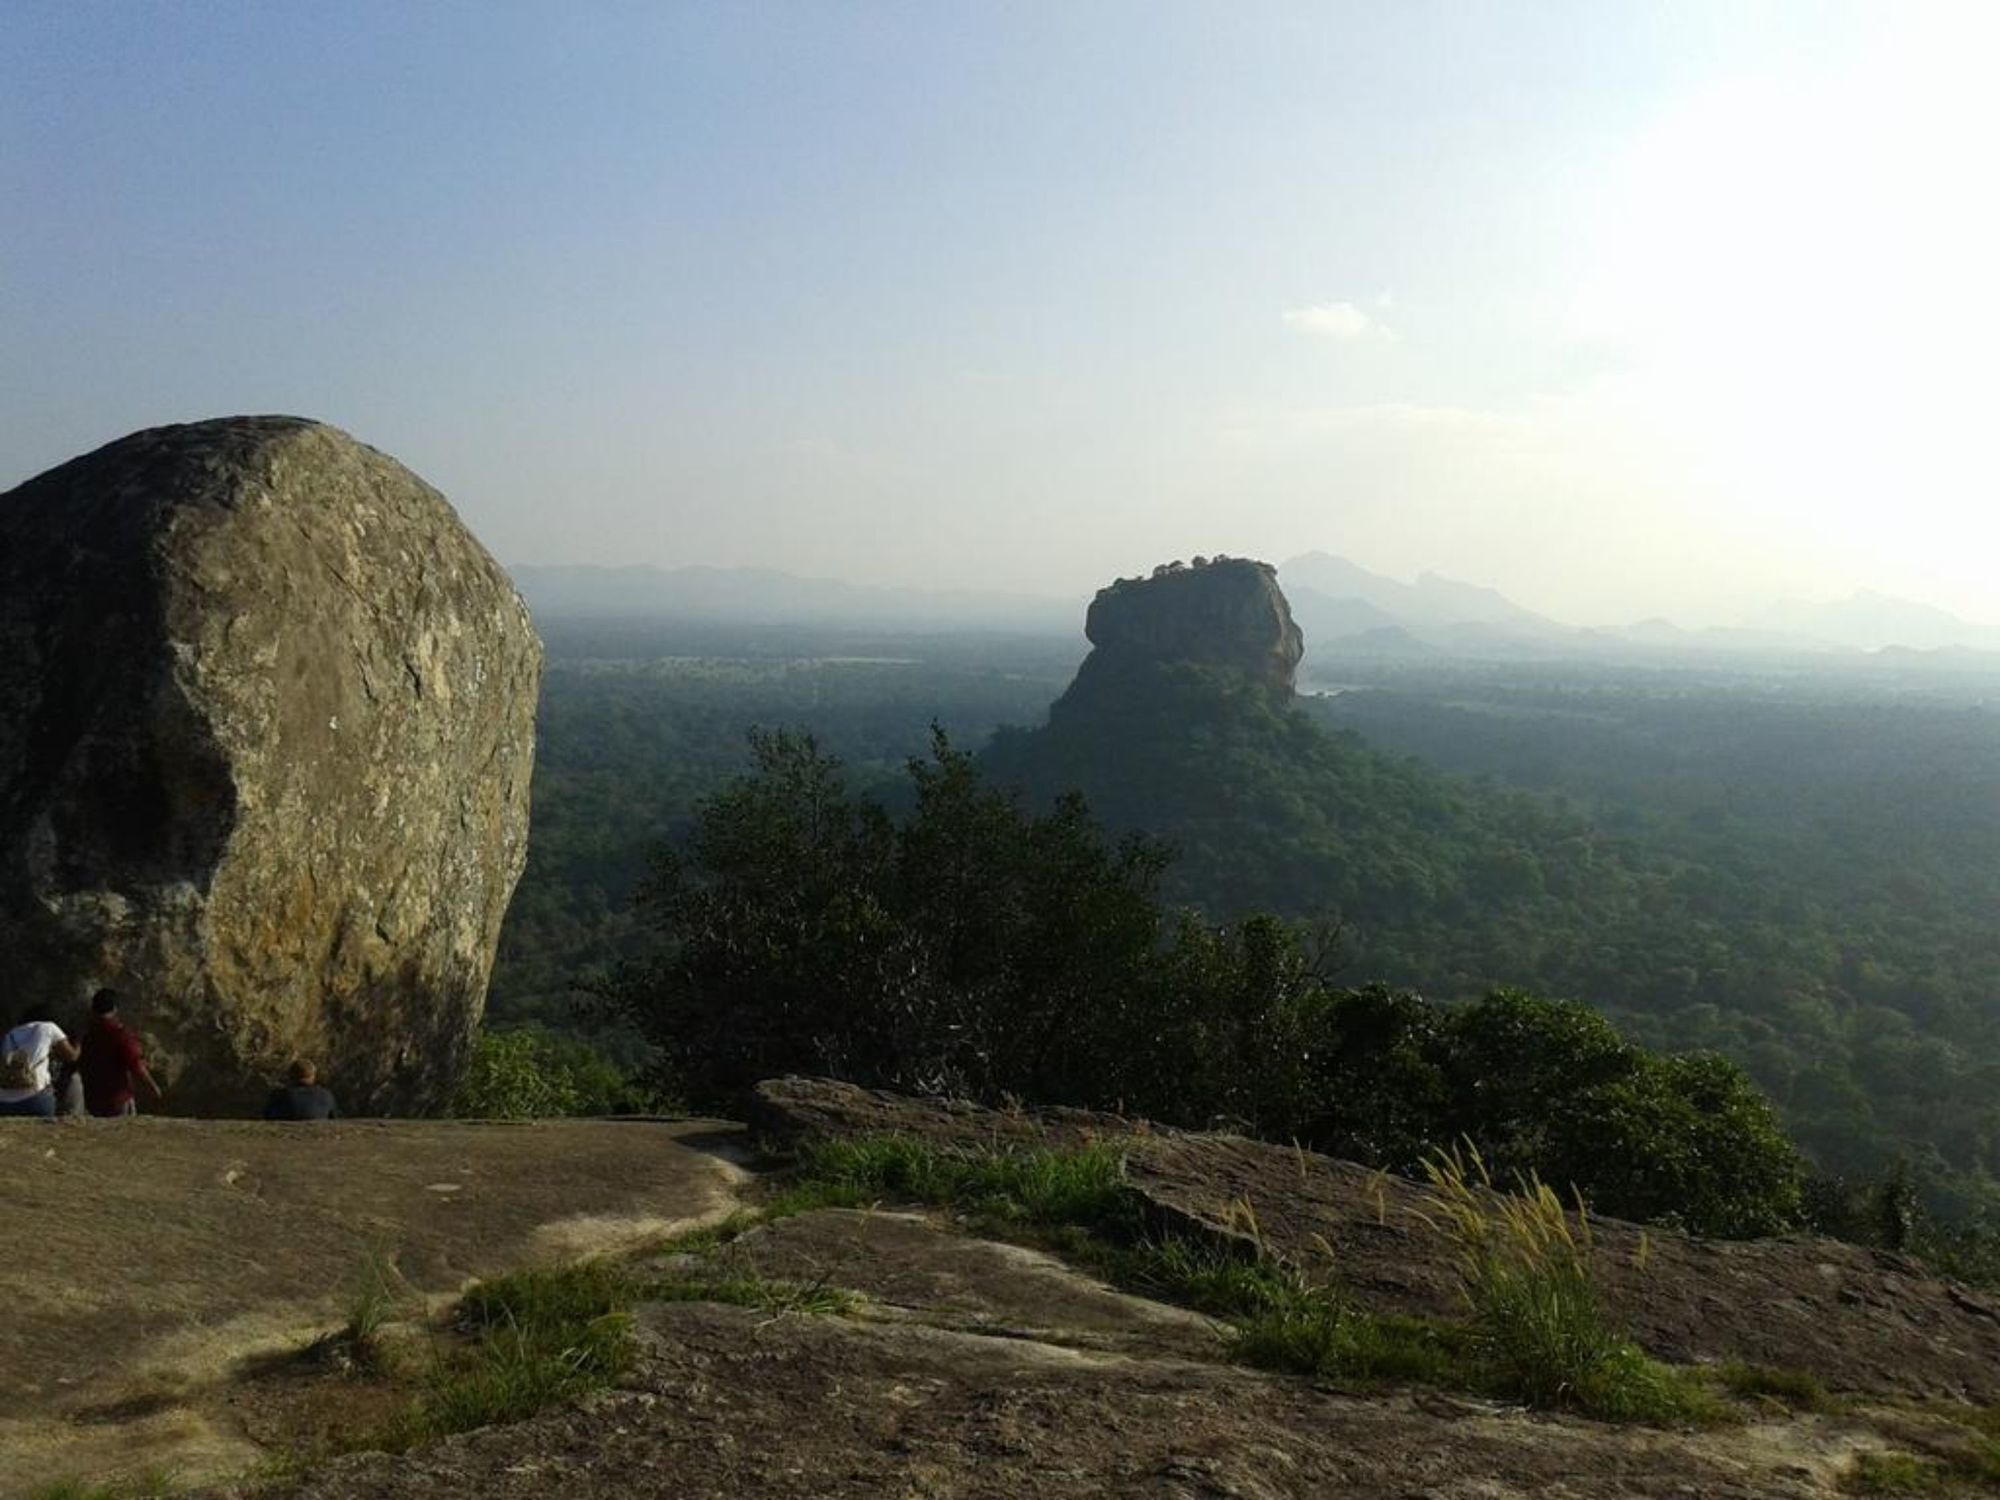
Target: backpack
(17,1066)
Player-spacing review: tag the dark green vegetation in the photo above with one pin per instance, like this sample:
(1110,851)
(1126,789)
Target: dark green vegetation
(981,950)
(1826,920)
(627,746)
(530,1339)
(527,1073)
(1811,870)
(1792,1388)
(1084,1188)
(1534,1333)
(1794,871)
(1970,1468)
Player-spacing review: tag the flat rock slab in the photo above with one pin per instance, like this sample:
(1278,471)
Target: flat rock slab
(148,1257)
(905,1265)
(733,1402)
(1860,1320)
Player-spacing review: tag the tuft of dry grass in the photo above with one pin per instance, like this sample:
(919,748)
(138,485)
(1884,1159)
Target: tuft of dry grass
(1523,1260)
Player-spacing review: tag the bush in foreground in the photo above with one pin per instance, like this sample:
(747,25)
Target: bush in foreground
(528,1074)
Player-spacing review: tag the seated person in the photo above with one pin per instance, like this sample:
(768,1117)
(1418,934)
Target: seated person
(302,1098)
(27,1081)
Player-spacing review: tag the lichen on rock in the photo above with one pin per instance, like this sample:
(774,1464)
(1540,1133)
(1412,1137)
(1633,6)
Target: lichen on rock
(266,728)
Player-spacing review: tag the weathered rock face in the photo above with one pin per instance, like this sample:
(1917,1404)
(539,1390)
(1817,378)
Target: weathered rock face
(266,726)
(1229,613)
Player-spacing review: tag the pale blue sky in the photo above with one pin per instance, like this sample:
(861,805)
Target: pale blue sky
(1626,309)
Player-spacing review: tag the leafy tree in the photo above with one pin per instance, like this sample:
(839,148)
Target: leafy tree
(807,931)
(979,948)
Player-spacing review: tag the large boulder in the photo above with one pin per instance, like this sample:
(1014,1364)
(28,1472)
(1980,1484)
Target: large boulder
(266,726)
(1228,615)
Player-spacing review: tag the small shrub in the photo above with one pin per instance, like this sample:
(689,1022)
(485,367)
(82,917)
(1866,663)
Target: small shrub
(513,1373)
(528,1074)
(1523,1264)
(536,1337)
(377,1298)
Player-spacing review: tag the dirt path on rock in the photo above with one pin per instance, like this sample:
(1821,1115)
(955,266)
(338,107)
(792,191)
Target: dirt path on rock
(149,1258)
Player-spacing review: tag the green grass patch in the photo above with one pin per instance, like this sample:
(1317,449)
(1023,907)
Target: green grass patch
(1078,1199)
(552,1334)
(1084,1187)
(547,1300)
(1897,1474)
(376,1298)
(804,1197)
(1982,1419)
(1197,1276)
(712,1237)
(1316,1332)
(536,1338)
(533,1338)
(1794,1388)
(154,1485)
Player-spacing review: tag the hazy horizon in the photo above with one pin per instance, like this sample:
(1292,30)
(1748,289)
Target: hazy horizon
(1754,617)
(1625,311)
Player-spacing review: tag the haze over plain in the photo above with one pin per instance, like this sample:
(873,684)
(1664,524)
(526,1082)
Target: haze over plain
(1629,311)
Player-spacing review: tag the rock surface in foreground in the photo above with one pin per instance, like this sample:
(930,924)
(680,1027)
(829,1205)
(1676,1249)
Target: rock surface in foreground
(733,1402)
(266,726)
(1860,1321)
(159,1259)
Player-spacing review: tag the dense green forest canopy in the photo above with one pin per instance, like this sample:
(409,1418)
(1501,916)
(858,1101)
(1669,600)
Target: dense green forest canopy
(637,724)
(1835,843)
(975,948)
(1797,870)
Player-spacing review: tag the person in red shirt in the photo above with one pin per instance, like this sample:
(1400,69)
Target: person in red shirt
(111,1061)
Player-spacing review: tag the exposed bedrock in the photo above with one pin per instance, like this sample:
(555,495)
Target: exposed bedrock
(1228,614)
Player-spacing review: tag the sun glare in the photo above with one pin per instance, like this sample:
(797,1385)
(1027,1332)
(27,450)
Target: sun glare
(1798,269)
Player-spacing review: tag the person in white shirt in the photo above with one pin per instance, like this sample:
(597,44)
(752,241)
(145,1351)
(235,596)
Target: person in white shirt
(26,1073)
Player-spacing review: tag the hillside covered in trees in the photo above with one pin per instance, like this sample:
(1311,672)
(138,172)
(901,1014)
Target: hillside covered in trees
(1757,883)
(1794,872)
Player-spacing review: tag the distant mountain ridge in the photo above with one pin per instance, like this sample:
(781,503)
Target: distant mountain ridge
(1347,609)
(1342,607)
(1868,621)
(1432,600)
(758,596)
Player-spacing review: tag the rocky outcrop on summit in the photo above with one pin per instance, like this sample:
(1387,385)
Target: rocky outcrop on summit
(266,726)
(1228,613)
